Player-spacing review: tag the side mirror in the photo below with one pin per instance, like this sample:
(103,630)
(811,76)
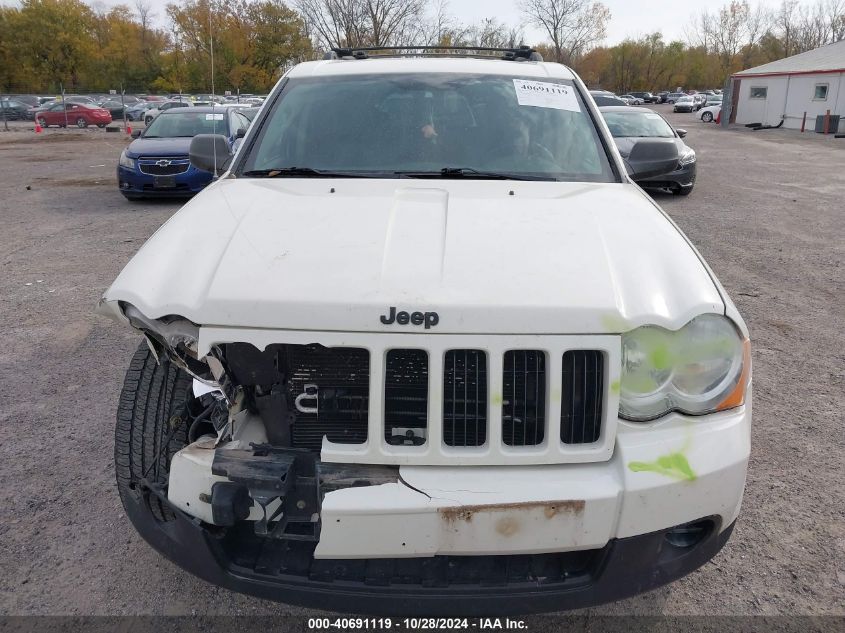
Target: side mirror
(240,133)
(681,132)
(652,157)
(136,134)
(210,152)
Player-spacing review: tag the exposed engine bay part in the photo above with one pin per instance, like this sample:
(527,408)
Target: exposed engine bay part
(301,393)
(285,487)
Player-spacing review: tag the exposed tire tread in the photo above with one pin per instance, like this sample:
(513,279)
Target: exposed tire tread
(153,395)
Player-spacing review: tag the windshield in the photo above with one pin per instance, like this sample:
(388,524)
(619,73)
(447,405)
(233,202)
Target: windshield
(427,125)
(628,124)
(186,124)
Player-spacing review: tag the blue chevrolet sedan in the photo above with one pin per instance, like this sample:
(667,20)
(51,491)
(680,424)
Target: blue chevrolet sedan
(156,163)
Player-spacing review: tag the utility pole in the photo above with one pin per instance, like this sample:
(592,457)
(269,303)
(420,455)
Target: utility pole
(3,108)
(64,105)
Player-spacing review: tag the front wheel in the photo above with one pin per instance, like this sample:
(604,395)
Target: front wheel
(81,123)
(101,125)
(707,117)
(682,191)
(42,123)
(152,425)
(148,120)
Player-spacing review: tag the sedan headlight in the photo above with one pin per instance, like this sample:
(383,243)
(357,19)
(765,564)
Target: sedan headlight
(125,161)
(687,157)
(701,368)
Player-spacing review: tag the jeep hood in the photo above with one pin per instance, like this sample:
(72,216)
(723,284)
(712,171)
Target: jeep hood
(487,256)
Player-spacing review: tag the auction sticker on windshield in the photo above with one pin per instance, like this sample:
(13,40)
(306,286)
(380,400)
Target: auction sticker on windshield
(543,94)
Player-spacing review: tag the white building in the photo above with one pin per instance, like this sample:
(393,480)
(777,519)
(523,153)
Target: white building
(811,82)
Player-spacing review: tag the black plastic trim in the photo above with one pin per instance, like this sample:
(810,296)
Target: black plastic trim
(625,567)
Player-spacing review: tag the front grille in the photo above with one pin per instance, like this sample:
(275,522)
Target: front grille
(406,397)
(340,393)
(544,402)
(465,397)
(524,398)
(581,400)
(176,165)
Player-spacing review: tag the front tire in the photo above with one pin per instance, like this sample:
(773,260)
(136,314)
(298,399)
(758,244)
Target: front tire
(707,117)
(81,123)
(152,425)
(42,123)
(682,191)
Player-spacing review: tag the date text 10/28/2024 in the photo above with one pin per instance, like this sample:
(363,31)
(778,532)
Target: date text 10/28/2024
(416,624)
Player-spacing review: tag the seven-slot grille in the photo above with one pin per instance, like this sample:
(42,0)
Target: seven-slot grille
(339,380)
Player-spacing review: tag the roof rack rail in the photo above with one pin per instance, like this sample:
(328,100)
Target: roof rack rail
(517,54)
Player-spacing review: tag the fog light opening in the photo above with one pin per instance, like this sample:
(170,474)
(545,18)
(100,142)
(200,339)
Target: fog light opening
(689,534)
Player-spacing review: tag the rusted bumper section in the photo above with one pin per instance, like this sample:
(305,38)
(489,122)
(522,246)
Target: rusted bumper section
(438,585)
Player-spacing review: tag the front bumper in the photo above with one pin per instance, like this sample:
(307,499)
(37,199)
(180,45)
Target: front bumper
(443,585)
(132,182)
(487,540)
(683,177)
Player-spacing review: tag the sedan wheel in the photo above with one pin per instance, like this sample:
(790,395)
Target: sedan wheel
(707,117)
(42,122)
(147,120)
(80,122)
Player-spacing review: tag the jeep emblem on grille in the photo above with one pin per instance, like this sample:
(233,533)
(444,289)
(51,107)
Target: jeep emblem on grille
(163,163)
(429,319)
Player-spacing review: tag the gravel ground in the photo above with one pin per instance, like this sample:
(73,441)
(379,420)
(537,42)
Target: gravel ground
(767,214)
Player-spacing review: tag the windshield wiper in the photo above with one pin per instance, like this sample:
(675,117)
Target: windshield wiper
(469,172)
(305,172)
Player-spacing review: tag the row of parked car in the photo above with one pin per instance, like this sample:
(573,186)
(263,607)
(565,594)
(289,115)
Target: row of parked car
(87,110)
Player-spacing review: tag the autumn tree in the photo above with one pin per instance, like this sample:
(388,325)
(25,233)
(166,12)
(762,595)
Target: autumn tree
(253,41)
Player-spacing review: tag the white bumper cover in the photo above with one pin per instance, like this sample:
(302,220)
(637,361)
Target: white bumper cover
(662,474)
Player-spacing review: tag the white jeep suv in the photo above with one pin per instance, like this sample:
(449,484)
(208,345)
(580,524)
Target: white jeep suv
(425,348)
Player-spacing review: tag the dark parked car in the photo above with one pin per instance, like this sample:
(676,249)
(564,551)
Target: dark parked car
(12,109)
(78,114)
(136,111)
(647,97)
(115,108)
(628,125)
(30,100)
(661,96)
(156,163)
(605,98)
(686,103)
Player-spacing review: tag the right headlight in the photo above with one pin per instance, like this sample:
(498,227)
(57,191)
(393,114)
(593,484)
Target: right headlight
(701,368)
(125,161)
(687,157)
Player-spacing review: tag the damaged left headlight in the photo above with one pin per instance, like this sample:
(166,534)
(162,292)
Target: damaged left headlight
(701,368)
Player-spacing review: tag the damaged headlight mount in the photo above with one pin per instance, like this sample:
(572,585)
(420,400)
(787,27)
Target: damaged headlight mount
(177,337)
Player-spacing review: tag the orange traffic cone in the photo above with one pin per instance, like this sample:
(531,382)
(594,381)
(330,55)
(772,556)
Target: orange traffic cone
(37,128)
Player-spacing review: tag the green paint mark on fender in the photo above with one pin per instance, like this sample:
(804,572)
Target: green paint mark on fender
(614,386)
(673,465)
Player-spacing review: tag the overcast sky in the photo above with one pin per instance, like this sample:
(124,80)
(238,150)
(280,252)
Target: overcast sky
(630,18)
